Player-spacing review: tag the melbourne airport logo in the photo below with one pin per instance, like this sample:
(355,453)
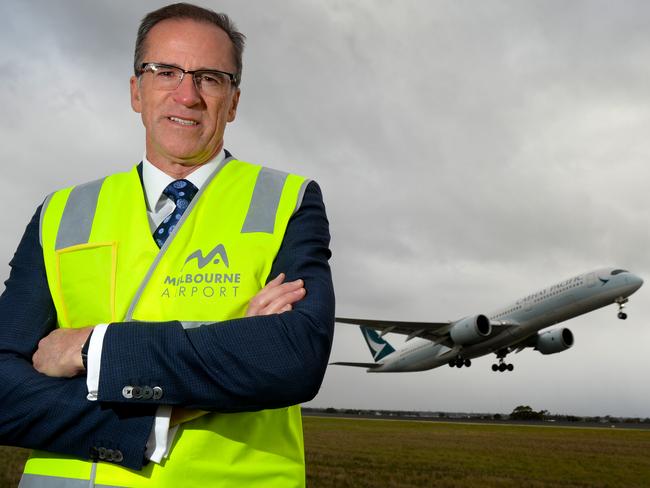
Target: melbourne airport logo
(204,261)
(206,279)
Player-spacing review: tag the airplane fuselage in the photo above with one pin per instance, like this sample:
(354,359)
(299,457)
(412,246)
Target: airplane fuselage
(530,314)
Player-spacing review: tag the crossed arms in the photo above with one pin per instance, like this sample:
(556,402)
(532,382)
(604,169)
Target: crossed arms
(59,353)
(263,361)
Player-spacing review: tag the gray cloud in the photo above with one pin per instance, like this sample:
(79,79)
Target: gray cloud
(469,153)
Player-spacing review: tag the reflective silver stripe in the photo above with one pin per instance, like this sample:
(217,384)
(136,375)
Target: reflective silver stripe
(192,324)
(40,221)
(265,201)
(301,194)
(78,215)
(43,481)
(170,238)
(93,475)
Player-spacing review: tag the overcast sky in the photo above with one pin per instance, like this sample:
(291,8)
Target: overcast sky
(469,153)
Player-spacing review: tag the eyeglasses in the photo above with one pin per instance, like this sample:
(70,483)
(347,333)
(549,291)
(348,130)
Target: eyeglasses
(210,82)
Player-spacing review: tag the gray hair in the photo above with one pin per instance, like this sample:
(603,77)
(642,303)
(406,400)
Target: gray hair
(191,12)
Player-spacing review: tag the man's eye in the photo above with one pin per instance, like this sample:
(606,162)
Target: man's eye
(212,79)
(165,74)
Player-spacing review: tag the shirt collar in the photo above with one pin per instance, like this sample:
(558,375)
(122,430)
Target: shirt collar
(155,180)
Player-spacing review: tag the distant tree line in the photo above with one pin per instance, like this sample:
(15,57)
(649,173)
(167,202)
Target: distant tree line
(520,412)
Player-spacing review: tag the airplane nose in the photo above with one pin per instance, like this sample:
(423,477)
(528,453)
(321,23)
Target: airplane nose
(634,281)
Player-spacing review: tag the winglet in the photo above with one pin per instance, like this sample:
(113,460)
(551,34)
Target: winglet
(379,347)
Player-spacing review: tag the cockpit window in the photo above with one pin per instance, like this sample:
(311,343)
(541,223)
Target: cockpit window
(619,271)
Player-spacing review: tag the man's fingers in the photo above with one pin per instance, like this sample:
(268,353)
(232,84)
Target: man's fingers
(261,298)
(284,302)
(274,297)
(277,280)
(268,294)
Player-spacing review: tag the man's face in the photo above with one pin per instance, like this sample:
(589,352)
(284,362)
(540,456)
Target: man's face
(184,126)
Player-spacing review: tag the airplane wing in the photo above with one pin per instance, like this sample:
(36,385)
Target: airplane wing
(433,331)
(530,341)
(359,365)
(437,332)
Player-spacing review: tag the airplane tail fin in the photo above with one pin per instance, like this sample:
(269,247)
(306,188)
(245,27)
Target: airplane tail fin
(379,348)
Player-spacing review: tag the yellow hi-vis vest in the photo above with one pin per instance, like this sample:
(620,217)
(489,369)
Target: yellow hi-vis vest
(103,266)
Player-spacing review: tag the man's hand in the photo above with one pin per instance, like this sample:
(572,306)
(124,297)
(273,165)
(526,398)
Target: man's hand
(59,352)
(276,297)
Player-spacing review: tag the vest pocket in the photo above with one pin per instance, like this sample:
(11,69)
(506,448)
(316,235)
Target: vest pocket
(86,283)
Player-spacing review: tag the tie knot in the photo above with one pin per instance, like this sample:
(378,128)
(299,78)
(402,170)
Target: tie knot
(181,192)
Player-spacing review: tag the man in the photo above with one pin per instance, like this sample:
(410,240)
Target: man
(126,358)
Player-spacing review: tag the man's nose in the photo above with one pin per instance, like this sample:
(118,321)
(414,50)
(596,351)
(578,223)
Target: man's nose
(187,93)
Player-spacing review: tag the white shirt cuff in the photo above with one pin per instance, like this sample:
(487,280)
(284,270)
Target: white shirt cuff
(94,360)
(161,436)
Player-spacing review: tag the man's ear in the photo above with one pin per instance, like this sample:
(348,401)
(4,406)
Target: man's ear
(136,103)
(232,111)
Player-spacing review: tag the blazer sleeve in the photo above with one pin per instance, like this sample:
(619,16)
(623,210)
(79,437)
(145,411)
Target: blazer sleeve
(244,364)
(53,414)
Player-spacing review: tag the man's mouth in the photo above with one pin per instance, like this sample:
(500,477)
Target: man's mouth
(178,120)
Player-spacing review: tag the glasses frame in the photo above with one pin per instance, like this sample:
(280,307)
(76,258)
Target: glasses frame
(154,66)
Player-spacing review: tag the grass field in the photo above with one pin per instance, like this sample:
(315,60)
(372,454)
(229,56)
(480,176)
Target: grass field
(12,461)
(353,453)
(357,453)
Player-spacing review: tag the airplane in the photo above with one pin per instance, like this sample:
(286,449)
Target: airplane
(512,328)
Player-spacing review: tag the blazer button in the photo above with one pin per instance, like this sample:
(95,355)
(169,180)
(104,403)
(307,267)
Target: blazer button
(94,453)
(137,392)
(118,457)
(127,392)
(102,453)
(157,393)
(147,392)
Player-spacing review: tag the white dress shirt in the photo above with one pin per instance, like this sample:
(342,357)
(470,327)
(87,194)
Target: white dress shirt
(159,206)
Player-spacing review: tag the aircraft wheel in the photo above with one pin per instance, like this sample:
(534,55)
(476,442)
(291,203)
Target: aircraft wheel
(495,367)
(511,367)
(502,367)
(452,364)
(459,363)
(622,315)
(468,363)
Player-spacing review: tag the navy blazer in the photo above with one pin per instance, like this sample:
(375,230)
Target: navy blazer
(238,365)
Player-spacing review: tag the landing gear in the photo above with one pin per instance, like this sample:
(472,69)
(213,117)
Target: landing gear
(621,301)
(459,362)
(502,366)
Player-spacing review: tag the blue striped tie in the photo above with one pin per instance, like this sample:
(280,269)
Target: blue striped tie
(181,193)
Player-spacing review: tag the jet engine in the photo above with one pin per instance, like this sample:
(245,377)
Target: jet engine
(554,341)
(470,330)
